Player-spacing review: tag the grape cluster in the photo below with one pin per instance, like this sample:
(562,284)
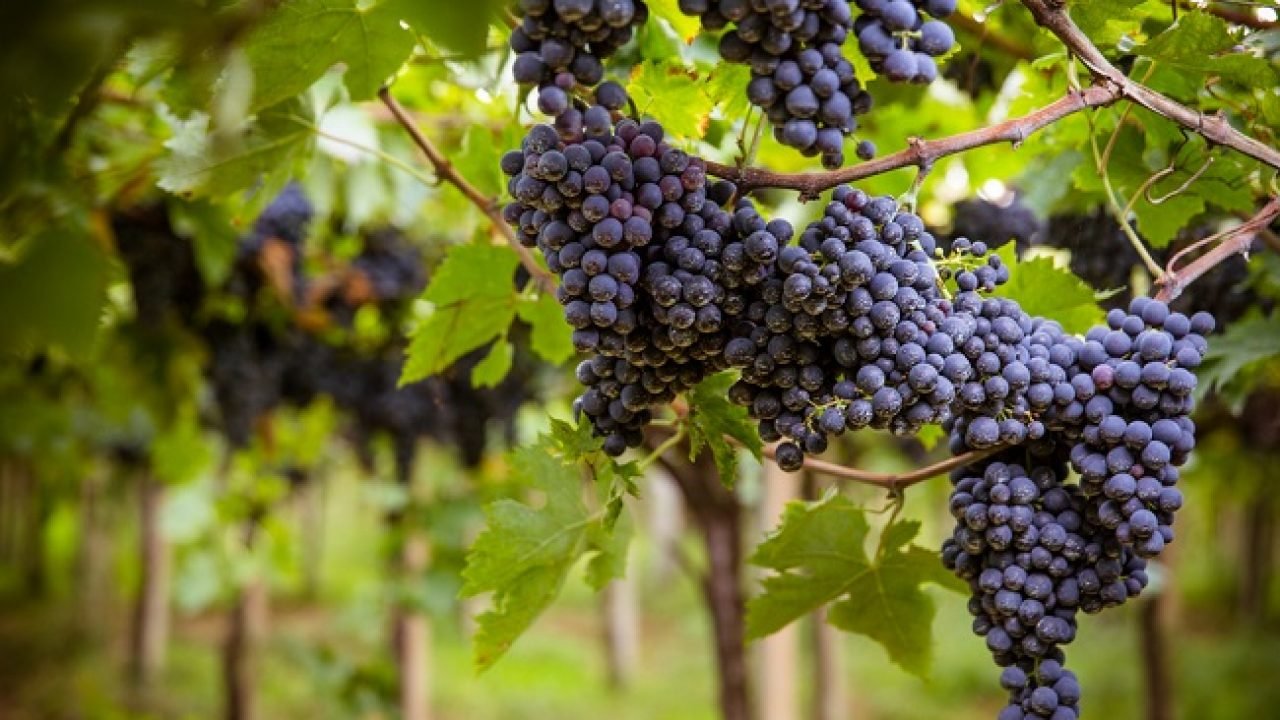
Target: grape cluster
(1114,407)
(1104,256)
(901,38)
(839,336)
(643,250)
(997,223)
(812,101)
(561,44)
(799,76)
(162,267)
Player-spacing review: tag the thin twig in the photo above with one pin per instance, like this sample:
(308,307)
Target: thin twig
(919,153)
(448,173)
(891,481)
(1051,15)
(1238,240)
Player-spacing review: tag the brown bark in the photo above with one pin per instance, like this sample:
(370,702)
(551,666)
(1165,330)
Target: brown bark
(413,639)
(245,629)
(618,606)
(92,561)
(828,692)
(151,606)
(410,628)
(1157,683)
(1258,563)
(778,654)
(717,512)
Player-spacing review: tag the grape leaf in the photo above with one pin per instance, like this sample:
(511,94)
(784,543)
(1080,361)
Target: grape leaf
(475,302)
(686,26)
(451,24)
(726,88)
(494,367)
(1243,344)
(819,557)
(1106,21)
(525,554)
(299,41)
(1202,44)
(203,162)
(53,295)
(1044,289)
(550,336)
(674,96)
(713,419)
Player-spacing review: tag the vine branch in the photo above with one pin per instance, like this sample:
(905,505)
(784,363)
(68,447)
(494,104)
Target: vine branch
(920,153)
(1237,240)
(891,481)
(1051,15)
(446,172)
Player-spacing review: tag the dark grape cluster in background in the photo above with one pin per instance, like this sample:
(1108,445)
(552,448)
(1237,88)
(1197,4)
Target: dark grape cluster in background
(268,357)
(561,44)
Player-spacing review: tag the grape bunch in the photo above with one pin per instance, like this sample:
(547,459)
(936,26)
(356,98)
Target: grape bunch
(642,248)
(812,101)
(901,38)
(561,44)
(799,76)
(1114,407)
(1140,432)
(997,223)
(1020,542)
(839,337)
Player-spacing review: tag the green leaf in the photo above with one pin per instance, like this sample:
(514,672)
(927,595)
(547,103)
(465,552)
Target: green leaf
(179,452)
(460,27)
(299,41)
(712,417)
(686,26)
(573,442)
(54,294)
(203,162)
(213,237)
(475,302)
(1243,344)
(727,88)
(819,557)
(1203,44)
(1044,289)
(550,336)
(494,367)
(525,554)
(1106,21)
(674,96)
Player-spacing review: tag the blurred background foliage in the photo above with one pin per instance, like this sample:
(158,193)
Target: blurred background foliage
(143,523)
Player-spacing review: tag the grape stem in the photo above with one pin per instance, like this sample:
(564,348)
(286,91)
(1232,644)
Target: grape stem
(894,482)
(1052,15)
(1109,86)
(1237,240)
(919,153)
(446,172)
(890,481)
